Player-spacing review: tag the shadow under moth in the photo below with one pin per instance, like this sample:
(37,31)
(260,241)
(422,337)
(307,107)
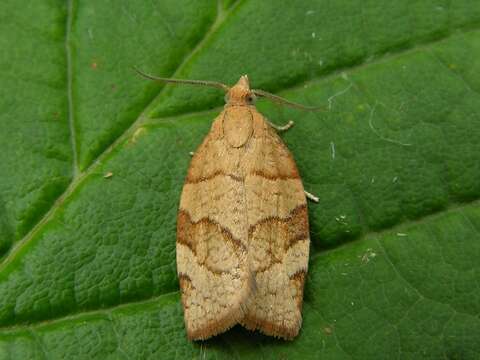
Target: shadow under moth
(242,227)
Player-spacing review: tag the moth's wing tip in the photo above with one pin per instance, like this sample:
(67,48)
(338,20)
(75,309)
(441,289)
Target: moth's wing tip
(270,329)
(214,328)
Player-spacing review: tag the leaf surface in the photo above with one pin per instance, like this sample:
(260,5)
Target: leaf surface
(93,160)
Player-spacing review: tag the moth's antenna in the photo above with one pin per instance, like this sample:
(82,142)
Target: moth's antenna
(283,101)
(182,81)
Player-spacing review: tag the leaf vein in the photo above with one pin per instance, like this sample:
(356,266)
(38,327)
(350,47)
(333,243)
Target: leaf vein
(71,119)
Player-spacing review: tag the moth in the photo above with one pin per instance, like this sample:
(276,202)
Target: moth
(242,227)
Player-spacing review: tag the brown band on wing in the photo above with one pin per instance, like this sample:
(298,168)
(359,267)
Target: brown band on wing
(188,236)
(186,229)
(299,275)
(195,180)
(298,280)
(265,175)
(295,224)
(273,237)
(186,286)
(184,279)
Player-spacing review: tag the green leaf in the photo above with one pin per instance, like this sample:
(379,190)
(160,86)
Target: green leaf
(93,159)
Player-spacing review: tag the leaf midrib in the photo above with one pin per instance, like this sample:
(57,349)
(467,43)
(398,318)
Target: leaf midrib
(71,120)
(106,311)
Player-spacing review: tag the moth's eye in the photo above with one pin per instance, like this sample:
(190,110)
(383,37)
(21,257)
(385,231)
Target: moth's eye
(250,99)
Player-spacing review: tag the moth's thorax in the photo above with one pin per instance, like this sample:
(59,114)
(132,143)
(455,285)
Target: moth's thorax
(240,94)
(237,125)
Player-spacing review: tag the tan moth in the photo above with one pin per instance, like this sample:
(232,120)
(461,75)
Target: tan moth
(242,226)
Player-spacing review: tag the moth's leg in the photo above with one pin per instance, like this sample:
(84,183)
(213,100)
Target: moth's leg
(281,127)
(311,196)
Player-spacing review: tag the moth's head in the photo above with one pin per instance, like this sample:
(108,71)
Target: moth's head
(240,93)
